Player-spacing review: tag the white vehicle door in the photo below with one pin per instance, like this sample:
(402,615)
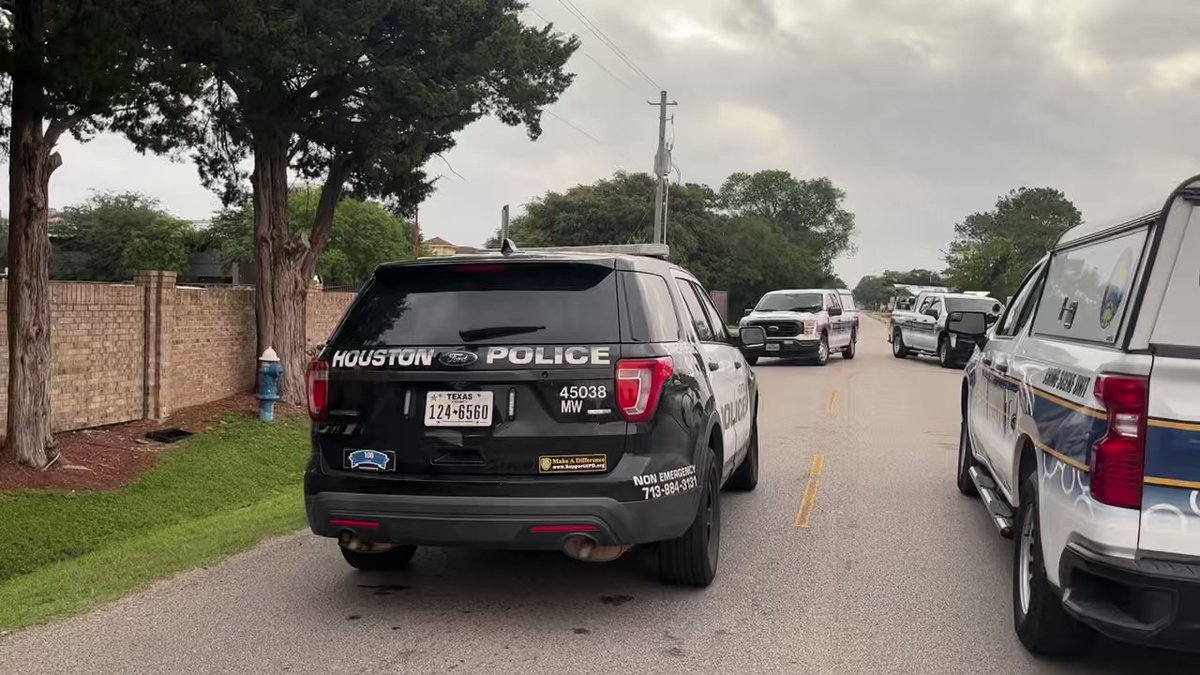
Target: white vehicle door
(839,336)
(725,363)
(923,327)
(994,394)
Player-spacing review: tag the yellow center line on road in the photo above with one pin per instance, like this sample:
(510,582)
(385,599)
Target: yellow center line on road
(832,400)
(804,515)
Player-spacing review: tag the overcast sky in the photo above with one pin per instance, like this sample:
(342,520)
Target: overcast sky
(921,110)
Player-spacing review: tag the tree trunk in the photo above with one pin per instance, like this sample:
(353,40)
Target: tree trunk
(291,291)
(269,182)
(30,164)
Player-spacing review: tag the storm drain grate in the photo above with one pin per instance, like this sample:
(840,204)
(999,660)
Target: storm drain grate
(172,435)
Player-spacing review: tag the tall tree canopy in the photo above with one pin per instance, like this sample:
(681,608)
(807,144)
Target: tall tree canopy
(356,95)
(993,250)
(746,255)
(365,234)
(808,212)
(68,67)
(112,236)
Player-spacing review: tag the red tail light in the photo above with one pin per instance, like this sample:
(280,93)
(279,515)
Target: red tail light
(640,384)
(1117,457)
(316,386)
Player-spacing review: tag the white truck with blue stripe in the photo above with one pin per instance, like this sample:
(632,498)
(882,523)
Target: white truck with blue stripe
(1081,433)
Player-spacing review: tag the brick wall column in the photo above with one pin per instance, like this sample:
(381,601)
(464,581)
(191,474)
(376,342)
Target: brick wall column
(159,318)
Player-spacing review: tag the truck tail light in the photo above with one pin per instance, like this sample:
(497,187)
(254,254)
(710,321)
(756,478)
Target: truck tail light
(316,388)
(1117,458)
(639,386)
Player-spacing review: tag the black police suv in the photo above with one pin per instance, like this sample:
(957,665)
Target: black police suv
(577,401)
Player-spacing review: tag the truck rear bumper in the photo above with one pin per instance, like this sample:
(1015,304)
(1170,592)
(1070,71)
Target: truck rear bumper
(1150,602)
(533,523)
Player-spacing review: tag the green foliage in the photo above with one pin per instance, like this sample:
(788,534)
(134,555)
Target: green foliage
(746,255)
(807,212)
(993,250)
(112,235)
(365,234)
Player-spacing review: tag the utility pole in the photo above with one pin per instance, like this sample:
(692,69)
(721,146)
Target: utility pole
(662,170)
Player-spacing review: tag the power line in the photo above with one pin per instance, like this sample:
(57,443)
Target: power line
(608,42)
(594,139)
(610,73)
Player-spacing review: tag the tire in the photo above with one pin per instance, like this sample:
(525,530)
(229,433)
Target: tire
(392,559)
(945,359)
(1041,622)
(752,360)
(965,462)
(822,351)
(691,559)
(898,349)
(851,349)
(745,477)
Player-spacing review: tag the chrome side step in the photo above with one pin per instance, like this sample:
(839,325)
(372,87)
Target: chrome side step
(1000,511)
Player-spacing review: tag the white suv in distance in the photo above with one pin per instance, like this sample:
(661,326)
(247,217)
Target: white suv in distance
(1081,431)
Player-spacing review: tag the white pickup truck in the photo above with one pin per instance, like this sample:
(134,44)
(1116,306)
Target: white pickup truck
(946,325)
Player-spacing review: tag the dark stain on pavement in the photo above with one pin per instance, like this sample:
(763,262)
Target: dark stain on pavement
(581,631)
(677,652)
(616,600)
(385,589)
(353,617)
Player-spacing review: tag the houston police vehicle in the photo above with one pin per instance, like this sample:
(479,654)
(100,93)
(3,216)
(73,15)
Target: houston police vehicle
(808,323)
(1081,431)
(587,401)
(947,325)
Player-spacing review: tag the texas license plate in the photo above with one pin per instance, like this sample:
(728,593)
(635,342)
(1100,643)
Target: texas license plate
(771,347)
(458,409)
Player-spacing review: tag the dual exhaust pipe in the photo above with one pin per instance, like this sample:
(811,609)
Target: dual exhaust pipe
(577,546)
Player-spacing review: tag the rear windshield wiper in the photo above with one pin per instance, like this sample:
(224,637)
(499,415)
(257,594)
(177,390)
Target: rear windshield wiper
(496,331)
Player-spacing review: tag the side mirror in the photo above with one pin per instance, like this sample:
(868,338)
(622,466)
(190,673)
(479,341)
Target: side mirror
(835,311)
(747,311)
(931,312)
(752,337)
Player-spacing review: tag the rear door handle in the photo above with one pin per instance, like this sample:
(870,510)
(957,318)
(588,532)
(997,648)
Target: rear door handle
(714,366)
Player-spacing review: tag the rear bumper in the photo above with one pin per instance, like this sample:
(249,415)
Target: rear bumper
(1150,602)
(498,522)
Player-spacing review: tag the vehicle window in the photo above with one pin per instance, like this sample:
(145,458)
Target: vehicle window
(652,316)
(532,303)
(699,319)
(1016,317)
(925,304)
(847,301)
(831,301)
(1088,288)
(936,305)
(977,303)
(714,317)
(789,302)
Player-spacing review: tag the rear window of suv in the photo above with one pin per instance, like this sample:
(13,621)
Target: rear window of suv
(484,303)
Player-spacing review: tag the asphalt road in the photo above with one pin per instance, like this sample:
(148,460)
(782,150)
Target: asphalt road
(895,573)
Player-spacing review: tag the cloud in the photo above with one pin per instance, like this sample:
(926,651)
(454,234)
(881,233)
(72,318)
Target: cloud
(922,110)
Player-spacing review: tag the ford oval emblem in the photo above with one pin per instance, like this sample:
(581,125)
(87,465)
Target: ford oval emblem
(457,359)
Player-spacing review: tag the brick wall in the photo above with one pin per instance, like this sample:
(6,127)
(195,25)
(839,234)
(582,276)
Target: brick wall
(325,309)
(123,352)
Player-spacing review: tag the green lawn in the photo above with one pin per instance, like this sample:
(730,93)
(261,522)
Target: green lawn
(222,492)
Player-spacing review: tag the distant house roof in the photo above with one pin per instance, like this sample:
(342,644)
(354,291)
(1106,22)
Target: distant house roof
(438,241)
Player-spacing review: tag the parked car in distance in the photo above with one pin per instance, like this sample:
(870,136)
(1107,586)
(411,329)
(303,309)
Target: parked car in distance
(808,323)
(1081,432)
(946,325)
